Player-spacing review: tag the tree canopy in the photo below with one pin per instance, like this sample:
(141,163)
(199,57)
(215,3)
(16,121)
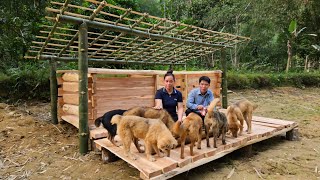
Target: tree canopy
(266,22)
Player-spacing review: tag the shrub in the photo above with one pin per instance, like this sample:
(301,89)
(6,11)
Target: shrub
(258,80)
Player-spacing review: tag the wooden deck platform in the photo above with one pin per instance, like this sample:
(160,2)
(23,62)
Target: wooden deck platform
(166,167)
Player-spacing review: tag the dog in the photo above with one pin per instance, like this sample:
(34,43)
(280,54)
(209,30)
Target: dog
(162,114)
(216,121)
(112,129)
(105,120)
(239,111)
(153,131)
(192,127)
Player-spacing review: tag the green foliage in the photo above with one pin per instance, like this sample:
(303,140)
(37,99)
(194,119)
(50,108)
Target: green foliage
(292,26)
(29,81)
(258,80)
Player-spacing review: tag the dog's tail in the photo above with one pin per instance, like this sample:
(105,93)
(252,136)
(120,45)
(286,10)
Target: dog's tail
(255,106)
(213,104)
(116,119)
(176,128)
(98,121)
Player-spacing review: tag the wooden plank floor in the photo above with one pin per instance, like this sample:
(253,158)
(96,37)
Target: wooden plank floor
(166,167)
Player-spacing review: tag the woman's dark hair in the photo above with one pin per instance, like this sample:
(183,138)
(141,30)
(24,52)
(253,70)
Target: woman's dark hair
(169,73)
(204,78)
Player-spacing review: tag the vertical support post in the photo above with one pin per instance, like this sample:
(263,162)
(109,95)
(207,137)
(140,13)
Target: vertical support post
(53,91)
(83,88)
(224,79)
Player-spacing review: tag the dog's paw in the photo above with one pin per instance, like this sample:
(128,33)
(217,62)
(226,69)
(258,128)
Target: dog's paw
(161,155)
(152,159)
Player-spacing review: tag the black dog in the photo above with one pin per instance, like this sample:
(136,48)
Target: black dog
(105,119)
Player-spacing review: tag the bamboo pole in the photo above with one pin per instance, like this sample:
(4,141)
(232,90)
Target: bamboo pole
(122,34)
(83,88)
(53,91)
(99,25)
(224,79)
(61,11)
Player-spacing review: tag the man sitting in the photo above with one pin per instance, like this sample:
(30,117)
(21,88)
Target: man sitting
(199,98)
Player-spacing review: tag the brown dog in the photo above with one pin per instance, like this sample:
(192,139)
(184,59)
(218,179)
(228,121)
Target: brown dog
(149,112)
(240,111)
(154,133)
(216,121)
(192,127)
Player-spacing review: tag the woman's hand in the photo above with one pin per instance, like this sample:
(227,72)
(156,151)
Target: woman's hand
(158,104)
(157,107)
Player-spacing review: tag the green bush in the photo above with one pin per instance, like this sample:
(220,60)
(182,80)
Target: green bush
(258,80)
(28,82)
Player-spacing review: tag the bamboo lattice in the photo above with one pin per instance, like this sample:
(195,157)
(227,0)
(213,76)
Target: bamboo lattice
(129,36)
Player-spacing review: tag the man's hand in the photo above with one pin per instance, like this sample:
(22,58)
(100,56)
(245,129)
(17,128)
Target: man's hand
(200,107)
(203,112)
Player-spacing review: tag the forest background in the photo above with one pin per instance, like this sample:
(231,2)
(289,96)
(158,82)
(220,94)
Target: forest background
(284,49)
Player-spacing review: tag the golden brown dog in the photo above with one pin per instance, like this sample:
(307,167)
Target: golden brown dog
(163,115)
(237,112)
(154,133)
(192,127)
(216,121)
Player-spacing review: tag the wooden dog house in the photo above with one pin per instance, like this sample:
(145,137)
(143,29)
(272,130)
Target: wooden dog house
(110,89)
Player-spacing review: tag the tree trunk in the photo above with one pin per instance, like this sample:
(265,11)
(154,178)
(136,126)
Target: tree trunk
(289,55)
(306,67)
(236,61)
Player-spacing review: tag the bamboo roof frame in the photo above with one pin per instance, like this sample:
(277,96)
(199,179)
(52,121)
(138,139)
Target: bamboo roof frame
(119,35)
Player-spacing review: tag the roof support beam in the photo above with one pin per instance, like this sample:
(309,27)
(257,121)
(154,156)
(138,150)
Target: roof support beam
(75,59)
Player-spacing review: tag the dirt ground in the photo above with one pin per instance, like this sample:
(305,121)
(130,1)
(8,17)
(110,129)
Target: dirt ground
(33,148)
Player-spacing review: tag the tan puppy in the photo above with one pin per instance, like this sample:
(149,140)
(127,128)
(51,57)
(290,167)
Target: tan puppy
(154,133)
(238,112)
(191,126)
(216,121)
(163,115)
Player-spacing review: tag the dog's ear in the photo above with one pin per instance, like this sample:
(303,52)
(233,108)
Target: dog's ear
(116,119)
(176,127)
(98,121)
(183,125)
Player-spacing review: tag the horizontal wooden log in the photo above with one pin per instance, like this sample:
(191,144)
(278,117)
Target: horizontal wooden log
(73,110)
(73,86)
(73,99)
(73,76)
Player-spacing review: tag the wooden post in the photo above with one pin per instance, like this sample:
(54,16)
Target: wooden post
(224,79)
(83,88)
(292,135)
(54,91)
